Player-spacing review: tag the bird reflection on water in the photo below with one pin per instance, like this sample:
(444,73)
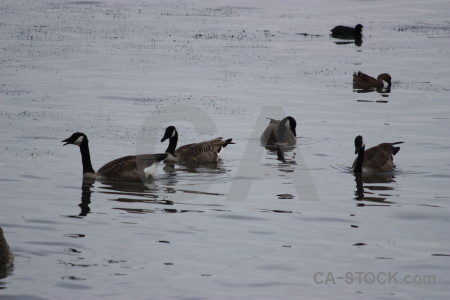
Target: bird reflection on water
(345,41)
(286,164)
(385,91)
(155,191)
(367,191)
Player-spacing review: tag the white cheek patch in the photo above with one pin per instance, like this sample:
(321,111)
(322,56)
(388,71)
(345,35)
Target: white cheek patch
(79,140)
(288,124)
(173,133)
(363,144)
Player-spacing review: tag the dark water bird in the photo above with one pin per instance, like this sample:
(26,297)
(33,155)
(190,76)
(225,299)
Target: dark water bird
(364,81)
(345,31)
(204,152)
(376,159)
(280,133)
(6,255)
(133,168)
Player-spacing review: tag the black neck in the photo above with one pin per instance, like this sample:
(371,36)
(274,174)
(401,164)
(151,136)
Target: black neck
(359,160)
(86,159)
(172,144)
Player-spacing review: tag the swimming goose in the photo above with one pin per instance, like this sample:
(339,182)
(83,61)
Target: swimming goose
(345,31)
(6,256)
(133,168)
(204,152)
(280,133)
(363,80)
(376,159)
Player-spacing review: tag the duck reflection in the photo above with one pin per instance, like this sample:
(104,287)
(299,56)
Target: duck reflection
(385,91)
(347,40)
(366,190)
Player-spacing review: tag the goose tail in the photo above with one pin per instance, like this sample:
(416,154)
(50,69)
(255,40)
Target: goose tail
(396,149)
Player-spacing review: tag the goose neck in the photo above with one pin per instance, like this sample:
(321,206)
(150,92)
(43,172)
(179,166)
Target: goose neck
(86,159)
(359,160)
(172,144)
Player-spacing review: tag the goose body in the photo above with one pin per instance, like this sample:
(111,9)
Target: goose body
(280,133)
(132,168)
(204,152)
(376,159)
(345,31)
(6,256)
(363,80)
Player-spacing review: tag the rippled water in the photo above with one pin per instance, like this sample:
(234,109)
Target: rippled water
(253,226)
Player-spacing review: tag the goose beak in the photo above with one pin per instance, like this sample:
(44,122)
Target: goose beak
(66,141)
(163,139)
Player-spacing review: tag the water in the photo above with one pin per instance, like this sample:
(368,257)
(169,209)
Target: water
(252,226)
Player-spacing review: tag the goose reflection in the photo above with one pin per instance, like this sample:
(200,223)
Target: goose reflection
(122,191)
(285,156)
(150,192)
(215,167)
(86,191)
(367,191)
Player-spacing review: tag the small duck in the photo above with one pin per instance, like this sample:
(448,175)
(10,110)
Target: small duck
(345,31)
(363,80)
(376,159)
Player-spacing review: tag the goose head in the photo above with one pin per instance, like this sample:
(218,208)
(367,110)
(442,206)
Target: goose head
(170,133)
(385,77)
(78,138)
(358,29)
(291,124)
(359,144)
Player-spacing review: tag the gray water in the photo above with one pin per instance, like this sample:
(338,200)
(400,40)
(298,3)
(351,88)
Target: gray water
(252,226)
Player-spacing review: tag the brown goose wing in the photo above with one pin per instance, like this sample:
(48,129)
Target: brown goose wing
(129,168)
(363,79)
(381,158)
(203,152)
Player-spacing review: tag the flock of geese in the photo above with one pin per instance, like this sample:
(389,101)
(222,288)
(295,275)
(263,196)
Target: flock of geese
(279,133)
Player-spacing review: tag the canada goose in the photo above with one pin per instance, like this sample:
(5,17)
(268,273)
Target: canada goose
(204,152)
(280,133)
(345,31)
(6,256)
(133,168)
(376,159)
(363,80)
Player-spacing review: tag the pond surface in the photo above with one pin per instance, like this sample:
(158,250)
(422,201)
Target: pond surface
(252,226)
